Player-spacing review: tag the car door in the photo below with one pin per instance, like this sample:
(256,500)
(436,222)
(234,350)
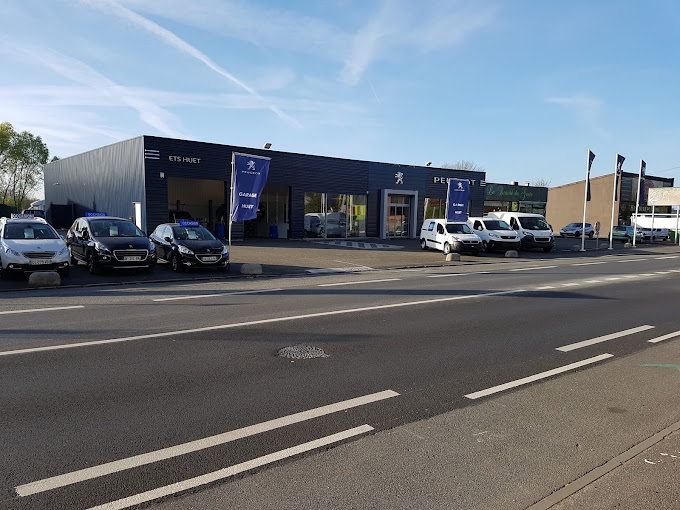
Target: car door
(77,242)
(440,236)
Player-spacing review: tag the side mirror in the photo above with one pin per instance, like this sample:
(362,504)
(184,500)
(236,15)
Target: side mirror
(168,239)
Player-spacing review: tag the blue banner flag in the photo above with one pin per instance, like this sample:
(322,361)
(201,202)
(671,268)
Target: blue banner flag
(249,175)
(641,187)
(457,200)
(619,163)
(591,157)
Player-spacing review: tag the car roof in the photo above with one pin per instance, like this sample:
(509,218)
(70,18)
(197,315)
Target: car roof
(104,218)
(35,219)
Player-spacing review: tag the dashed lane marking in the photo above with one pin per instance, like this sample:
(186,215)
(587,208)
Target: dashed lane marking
(357,283)
(531,268)
(604,338)
(31,310)
(664,337)
(199,296)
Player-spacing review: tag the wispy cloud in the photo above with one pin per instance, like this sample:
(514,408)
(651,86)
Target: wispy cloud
(588,110)
(113,7)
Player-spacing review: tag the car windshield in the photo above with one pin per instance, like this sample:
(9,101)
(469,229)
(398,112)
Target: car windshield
(533,223)
(29,231)
(458,228)
(496,225)
(570,225)
(192,234)
(114,228)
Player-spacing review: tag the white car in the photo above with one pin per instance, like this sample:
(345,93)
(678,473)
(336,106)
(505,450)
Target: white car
(28,245)
(449,237)
(495,234)
(659,234)
(575,230)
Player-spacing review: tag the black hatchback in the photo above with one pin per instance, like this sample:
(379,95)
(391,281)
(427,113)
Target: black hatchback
(187,244)
(109,242)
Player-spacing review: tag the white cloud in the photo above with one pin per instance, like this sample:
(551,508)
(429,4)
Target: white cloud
(588,110)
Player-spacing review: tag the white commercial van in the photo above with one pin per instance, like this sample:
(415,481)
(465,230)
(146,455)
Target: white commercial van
(495,234)
(449,237)
(534,231)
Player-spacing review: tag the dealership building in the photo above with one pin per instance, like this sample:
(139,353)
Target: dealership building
(153,180)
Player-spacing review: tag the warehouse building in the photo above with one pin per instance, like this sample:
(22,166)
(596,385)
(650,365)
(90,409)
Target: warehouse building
(154,180)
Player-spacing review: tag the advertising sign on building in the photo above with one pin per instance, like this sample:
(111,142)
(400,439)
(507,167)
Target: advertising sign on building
(248,180)
(457,200)
(663,196)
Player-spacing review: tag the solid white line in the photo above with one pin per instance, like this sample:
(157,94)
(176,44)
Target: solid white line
(592,281)
(192,446)
(662,272)
(664,337)
(646,274)
(631,260)
(42,309)
(532,378)
(357,283)
(455,274)
(532,268)
(613,278)
(258,322)
(592,341)
(590,263)
(237,293)
(545,288)
(668,257)
(221,474)
(573,284)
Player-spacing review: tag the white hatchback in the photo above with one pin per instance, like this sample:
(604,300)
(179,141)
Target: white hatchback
(28,245)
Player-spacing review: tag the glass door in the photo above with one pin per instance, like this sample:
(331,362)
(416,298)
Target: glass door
(398,216)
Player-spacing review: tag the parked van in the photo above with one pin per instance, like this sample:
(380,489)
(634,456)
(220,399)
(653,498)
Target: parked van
(534,231)
(449,237)
(495,234)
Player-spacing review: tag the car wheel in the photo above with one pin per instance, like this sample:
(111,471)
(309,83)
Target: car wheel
(423,244)
(547,249)
(176,262)
(92,264)
(447,248)
(577,234)
(485,246)
(590,235)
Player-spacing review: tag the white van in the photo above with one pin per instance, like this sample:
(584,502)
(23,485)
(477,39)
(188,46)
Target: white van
(449,237)
(534,231)
(495,234)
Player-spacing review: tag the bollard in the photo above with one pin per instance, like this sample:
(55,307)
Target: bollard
(452,257)
(44,279)
(251,269)
(511,254)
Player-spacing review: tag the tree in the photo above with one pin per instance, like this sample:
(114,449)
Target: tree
(541,183)
(464,164)
(22,156)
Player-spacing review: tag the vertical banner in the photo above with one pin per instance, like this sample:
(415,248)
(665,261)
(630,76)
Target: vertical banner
(617,173)
(640,200)
(249,175)
(457,200)
(591,157)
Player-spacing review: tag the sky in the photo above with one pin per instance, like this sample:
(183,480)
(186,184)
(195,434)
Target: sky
(521,88)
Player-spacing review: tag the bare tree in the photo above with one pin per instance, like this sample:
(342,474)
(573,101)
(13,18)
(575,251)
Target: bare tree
(541,183)
(464,164)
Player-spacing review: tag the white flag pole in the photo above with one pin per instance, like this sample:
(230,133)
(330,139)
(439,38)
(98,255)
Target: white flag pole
(611,228)
(677,223)
(652,223)
(231,201)
(637,203)
(585,201)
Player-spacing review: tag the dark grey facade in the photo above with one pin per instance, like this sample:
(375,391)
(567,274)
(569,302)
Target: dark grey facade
(159,172)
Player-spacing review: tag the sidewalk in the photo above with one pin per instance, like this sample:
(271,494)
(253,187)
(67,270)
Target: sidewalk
(514,452)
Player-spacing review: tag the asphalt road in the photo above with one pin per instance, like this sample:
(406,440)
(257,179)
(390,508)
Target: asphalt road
(116,379)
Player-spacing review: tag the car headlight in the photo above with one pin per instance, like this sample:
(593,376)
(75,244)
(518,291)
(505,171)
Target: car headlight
(454,238)
(527,233)
(184,250)
(101,248)
(225,252)
(152,247)
(63,251)
(493,235)
(12,252)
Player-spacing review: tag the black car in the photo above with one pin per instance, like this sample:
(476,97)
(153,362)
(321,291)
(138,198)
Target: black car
(187,244)
(109,242)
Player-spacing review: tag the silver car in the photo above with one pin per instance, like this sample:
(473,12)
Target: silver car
(575,229)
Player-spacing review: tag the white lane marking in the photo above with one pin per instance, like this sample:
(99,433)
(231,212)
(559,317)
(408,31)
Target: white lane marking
(611,279)
(455,274)
(592,281)
(631,260)
(664,337)
(646,274)
(590,263)
(667,257)
(31,310)
(545,288)
(197,481)
(357,283)
(340,270)
(81,475)
(236,293)
(604,338)
(532,268)
(572,284)
(258,322)
(662,272)
(536,377)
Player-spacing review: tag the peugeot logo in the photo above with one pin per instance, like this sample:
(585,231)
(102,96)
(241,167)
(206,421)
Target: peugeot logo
(131,246)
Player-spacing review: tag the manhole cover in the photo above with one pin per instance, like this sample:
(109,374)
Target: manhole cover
(301,352)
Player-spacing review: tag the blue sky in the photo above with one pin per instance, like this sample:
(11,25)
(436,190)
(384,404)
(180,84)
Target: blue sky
(522,88)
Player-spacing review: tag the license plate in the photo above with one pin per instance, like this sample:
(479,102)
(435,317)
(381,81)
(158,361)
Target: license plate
(209,259)
(132,258)
(39,262)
